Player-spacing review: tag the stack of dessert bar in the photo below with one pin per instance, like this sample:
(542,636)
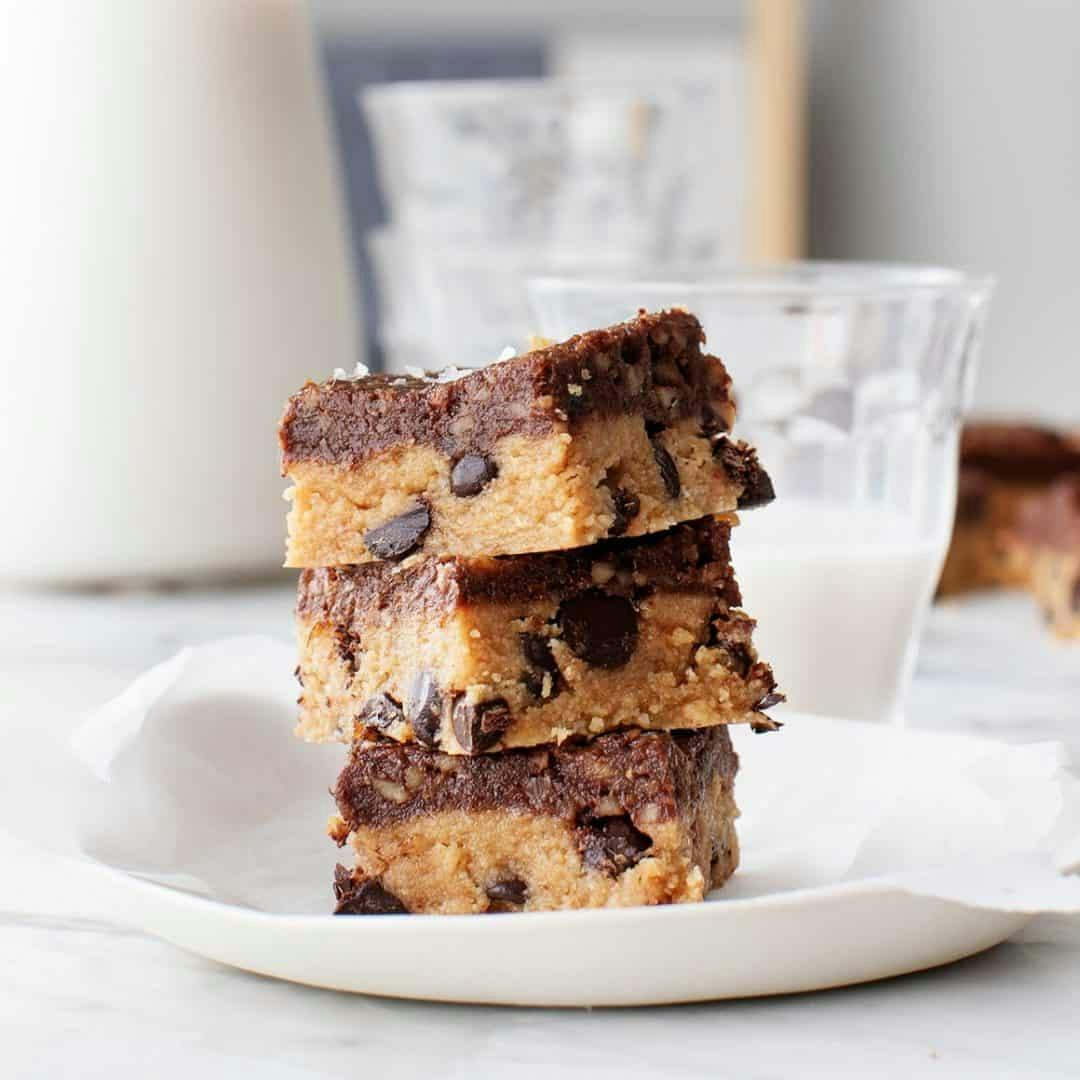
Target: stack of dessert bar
(517,608)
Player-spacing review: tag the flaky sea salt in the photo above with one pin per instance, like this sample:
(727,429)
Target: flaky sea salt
(359,372)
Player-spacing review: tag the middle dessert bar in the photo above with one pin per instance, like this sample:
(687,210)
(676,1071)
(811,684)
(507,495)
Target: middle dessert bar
(470,655)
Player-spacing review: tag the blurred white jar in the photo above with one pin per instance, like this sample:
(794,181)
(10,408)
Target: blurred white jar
(173,265)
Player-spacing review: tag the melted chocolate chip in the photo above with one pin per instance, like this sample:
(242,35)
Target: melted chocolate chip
(470,474)
(381,712)
(479,727)
(669,471)
(510,891)
(600,628)
(423,709)
(626,506)
(363,897)
(611,844)
(401,535)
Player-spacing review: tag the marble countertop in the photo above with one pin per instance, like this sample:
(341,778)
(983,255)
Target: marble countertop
(83,997)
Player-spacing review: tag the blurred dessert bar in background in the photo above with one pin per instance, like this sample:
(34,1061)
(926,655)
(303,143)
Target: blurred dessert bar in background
(612,433)
(1047,543)
(1002,466)
(471,654)
(627,818)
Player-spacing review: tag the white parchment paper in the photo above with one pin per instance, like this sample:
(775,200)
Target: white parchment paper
(192,778)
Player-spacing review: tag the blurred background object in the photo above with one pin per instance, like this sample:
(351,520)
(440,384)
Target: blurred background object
(175,264)
(950,132)
(657,138)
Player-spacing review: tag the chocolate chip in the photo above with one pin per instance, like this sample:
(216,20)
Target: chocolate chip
(297,675)
(381,712)
(479,727)
(534,683)
(772,698)
(508,891)
(470,474)
(626,506)
(423,708)
(348,645)
(712,423)
(363,897)
(611,844)
(600,628)
(742,466)
(537,651)
(738,657)
(669,471)
(400,535)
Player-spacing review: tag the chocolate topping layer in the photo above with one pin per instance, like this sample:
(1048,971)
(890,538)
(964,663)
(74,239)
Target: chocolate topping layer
(1052,520)
(690,557)
(1019,453)
(652,365)
(651,776)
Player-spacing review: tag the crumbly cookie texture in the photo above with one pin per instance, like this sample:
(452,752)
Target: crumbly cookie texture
(629,818)
(1047,541)
(618,432)
(474,655)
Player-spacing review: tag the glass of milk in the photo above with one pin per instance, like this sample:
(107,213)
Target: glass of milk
(851,380)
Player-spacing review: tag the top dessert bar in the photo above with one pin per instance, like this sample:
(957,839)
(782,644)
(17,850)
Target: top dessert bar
(616,432)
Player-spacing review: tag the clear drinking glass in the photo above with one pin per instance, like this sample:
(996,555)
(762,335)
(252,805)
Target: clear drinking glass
(851,380)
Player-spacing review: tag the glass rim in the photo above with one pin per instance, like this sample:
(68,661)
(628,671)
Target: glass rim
(770,282)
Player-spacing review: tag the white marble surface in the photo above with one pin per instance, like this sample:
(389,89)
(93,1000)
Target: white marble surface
(82,997)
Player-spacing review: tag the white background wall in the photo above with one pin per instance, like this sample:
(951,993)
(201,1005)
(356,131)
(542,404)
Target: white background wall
(949,130)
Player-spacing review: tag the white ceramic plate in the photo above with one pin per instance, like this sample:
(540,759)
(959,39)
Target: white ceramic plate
(811,939)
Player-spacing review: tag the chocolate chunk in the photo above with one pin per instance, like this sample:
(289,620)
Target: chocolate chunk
(381,712)
(600,628)
(626,506)
(423,709)
(611,844)
(470,474)
(363,897)
(669,471)
(479,727)
(741,463)
(772,698)
(760,725)
(537,651)
(511,891)
(401,535)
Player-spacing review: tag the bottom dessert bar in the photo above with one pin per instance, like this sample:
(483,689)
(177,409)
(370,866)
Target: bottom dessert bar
(629,818)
